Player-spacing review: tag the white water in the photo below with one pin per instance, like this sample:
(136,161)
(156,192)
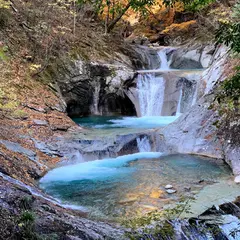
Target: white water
(162,54)
(144,144)
(142,122)
(232,229)
(39,194)
(96,94)
(150,94)
(178,112)
(98,169)
(194,100)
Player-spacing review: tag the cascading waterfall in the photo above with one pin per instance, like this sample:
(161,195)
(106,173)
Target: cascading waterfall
(178,112)
(150,94)
(96,94)
(143,144)
(195,95)
(163,58)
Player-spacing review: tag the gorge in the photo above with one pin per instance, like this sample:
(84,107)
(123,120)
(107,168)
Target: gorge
(119,185)
(119,120)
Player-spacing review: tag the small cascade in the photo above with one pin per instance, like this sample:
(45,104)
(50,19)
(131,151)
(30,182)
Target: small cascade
(150,94)
(162,54)
(157,90)
(94,108)
(231,229)
(195,95)
(178,112)
(39,194)
(143,144)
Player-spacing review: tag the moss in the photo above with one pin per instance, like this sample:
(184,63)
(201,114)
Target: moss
(4,17)
(216,124)
(26,202)
(27,217)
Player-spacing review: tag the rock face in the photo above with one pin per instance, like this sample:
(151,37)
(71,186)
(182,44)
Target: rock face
(94,88)
(88,145)
(193,132)
(50,220)
(98,88)
(196,131)
(183,81)
(193,57)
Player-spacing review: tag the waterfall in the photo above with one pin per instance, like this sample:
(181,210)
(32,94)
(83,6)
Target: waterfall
(163,58)
(231,230)
(143,144)
(195,95)
(150,94)
(94,107)
(39,194)
(178,112)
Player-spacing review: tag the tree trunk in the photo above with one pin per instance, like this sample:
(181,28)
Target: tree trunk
(115,21)
(107,17)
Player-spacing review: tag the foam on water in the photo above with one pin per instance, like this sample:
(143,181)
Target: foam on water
(143,122)
(126,122)
(163,58)
(97,169)
(232,229)
(143,144)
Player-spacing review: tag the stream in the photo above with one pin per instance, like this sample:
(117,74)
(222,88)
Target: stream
(135,182)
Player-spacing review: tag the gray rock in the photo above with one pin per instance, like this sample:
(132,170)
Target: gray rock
(168,186)
(47,148)
(171,191)
(15,147)
(40,122)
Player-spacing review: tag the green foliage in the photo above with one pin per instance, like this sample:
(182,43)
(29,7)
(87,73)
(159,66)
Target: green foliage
(228,95)
(26,202)
(229,34)
(27,217)
(156,223)
(163,230)
(4,4)
(190,5)
(26,226)
(236,11)
(20,114)
(197,5)
(113,10)
(232,86)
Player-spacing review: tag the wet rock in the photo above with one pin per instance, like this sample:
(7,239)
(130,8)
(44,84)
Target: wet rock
(237,179)
(15,147)
(47,148)
(193,57)
(171,191)
(187,189)
(168,186)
